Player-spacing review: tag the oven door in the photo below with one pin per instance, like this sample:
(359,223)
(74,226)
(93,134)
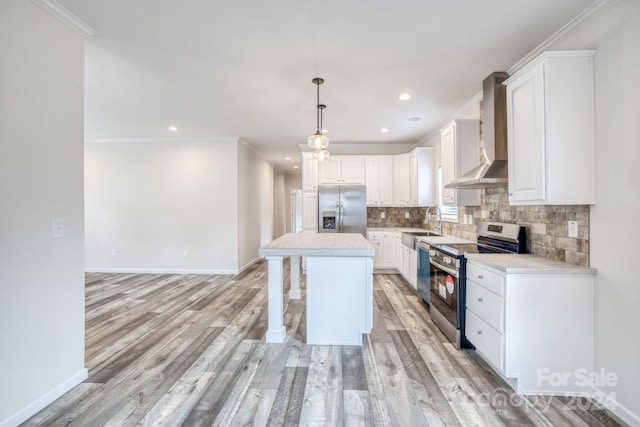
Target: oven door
(444,284)
(424,272)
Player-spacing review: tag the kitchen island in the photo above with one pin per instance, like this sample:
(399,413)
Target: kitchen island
(339,285)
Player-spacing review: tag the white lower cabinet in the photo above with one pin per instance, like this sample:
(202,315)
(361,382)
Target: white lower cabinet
(532,325)
(488,341)
(376,242)
(388,249)
(399,252)
(384,244)
(410,266)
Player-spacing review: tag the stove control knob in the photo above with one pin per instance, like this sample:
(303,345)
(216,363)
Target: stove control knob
(447,260)
(432,253)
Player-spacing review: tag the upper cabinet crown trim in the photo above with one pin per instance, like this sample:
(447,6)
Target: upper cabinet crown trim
(66,17)
(544,56)
(572,26)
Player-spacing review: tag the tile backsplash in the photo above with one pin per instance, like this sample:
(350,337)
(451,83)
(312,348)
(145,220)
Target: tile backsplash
(547,231)
(396,217)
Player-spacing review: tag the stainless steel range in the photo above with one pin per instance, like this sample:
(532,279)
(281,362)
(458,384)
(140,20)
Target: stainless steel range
(447,275)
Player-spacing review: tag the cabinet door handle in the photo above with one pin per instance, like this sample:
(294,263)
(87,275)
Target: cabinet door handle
(479,332)
(480,276)
(480,299)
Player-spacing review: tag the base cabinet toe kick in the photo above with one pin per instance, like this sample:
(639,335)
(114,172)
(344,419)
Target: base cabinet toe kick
(339,294)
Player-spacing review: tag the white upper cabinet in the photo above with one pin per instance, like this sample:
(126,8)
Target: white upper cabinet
(414,177)
(550,122)
(459,153)
(422,177)
(401,180)
(341,170)
(309,172)
(379,180)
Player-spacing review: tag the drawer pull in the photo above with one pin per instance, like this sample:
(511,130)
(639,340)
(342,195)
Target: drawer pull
(480,299)
(480,276)
(479,332)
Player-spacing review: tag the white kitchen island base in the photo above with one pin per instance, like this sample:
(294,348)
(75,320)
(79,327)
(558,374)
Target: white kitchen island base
(339,286)
(339,292)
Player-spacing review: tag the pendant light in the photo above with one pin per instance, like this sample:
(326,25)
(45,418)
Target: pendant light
(318,141)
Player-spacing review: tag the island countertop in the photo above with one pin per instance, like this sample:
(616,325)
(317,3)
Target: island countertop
(319,244)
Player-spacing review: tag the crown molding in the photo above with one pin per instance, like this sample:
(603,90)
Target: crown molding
(161,139)
(571,27)
(66,17)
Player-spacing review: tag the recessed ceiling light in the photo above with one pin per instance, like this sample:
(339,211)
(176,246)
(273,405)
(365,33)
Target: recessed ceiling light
(295,166)
(287,158)
(384,130)
(404,97)
(414,119)
(173,129)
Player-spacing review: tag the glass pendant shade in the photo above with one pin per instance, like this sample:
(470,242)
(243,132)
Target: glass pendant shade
(321,155)
(318,141)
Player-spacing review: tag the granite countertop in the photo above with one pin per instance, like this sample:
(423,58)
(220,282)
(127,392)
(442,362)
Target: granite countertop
(527,264)
(319,244)
(434,240)
(401,229)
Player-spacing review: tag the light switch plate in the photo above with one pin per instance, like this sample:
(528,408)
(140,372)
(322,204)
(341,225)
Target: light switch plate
(382,215)
(57,228)
(406,215)
(573,228)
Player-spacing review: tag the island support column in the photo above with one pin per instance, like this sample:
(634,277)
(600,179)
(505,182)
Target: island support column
(294,292)
(276,331)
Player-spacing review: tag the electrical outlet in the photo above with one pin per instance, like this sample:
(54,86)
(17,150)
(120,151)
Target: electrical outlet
(382,215)
(406,215)
(573,228)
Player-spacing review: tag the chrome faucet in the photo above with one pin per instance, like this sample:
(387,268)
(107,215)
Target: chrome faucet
(427,217)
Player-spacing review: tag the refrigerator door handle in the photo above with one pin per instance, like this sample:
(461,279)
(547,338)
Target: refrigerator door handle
(341,216)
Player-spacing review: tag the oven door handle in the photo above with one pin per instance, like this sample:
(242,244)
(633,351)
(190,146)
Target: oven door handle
(449,270)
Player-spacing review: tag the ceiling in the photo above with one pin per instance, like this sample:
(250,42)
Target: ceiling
(218,68)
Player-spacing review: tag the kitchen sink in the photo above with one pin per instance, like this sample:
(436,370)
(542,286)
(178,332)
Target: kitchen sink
(409,237)
(423,233)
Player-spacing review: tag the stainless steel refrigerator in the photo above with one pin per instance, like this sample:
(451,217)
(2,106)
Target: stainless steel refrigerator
(342,209)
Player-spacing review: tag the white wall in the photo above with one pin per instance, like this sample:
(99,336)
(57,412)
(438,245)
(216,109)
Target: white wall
(150,201)
(615,232)
(255,204)
(280,205)
(41,279)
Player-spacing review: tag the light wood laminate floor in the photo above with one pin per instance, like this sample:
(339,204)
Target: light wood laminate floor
(190,350)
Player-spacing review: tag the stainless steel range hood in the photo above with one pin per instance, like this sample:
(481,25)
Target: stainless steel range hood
(493,172)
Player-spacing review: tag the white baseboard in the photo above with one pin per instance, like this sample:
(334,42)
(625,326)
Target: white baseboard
(614,407)
(156,271)
(249,264)
(46,399)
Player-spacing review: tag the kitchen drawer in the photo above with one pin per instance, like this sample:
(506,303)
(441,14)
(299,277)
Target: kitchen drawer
(374,235)
(490,280)
(487,305)
(488,342)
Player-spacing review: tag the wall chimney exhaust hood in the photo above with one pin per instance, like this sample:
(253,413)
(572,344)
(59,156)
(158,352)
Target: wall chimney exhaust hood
(493,172)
